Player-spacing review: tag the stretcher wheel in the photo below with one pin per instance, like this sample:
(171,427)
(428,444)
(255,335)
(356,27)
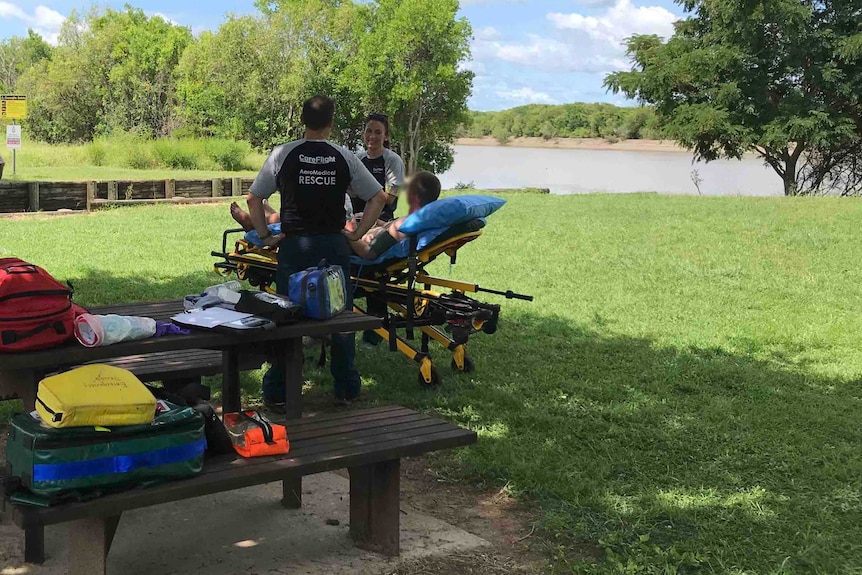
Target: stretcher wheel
(436,378)
(469,366)
(490,327)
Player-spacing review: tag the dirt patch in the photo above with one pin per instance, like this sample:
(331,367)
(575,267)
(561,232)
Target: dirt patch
(465,564)
(493,515)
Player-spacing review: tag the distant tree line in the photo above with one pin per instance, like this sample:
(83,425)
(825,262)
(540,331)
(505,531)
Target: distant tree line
(565,121)
(122,71)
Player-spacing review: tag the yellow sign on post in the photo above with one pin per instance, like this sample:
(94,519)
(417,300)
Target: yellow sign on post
(13,107)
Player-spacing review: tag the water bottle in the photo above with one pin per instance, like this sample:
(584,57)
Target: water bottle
(233,286)
(229,295)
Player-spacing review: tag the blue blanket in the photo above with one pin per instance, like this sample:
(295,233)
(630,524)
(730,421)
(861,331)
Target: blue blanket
(427,224)
(399,251)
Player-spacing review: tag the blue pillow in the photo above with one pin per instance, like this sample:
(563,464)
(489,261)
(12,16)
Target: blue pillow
(449,212)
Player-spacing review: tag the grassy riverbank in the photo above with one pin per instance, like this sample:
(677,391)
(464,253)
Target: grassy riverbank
(682,397)
(126,157)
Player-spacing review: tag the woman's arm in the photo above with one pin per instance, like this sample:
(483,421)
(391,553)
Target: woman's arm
(392,195)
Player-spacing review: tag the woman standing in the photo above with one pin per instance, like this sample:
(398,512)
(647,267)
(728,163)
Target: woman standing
(386,166)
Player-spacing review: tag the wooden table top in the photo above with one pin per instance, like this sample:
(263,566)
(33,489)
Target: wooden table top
(74,354)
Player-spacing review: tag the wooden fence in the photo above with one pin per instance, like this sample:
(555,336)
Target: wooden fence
(18,197)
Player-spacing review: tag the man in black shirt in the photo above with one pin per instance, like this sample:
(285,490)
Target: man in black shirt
(312,175)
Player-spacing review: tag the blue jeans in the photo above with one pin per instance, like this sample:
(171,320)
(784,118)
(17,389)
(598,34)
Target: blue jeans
(300,253)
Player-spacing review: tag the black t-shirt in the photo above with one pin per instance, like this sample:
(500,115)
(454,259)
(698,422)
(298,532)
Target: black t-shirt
(387,169)
(377,167)
(313,176)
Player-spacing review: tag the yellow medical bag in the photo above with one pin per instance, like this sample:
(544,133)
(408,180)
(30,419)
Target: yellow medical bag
(94,395)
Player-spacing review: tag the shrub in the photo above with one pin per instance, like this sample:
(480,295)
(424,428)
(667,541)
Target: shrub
(176,154)
(501,135)
(229,155)
(97,152)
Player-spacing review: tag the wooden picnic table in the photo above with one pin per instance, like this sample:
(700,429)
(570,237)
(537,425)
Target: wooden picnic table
(369,443)
(21,372)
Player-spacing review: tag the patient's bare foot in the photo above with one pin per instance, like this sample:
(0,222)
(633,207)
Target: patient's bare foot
(241,216)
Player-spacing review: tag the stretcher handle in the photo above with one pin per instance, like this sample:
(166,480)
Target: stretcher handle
(506,294)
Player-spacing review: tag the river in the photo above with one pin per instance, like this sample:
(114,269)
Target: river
(586,171)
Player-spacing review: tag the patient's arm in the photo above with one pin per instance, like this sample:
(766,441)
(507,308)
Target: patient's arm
(362,249)
(377,224)
(393,230)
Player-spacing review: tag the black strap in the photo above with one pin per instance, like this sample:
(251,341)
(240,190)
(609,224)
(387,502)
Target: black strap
(412,268)
(10,337)
(57,417)
(303,287)
(264,425)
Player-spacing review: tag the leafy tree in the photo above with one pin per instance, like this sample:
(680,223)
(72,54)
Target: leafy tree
(780,78)
(65,99)
(409,65)
(122,70)
(141,53)
(112,70)
(249,79)
(242,82)
(326,35)
(19,54)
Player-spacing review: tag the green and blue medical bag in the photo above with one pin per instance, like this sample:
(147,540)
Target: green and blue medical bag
(85,462)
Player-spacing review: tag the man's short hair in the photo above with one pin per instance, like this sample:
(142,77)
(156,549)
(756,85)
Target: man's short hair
(318,112)
(426,186)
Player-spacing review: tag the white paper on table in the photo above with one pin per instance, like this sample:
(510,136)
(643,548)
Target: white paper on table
(210,318)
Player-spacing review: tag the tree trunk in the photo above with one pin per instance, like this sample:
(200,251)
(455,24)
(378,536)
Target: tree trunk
(791,188)
(414,138)
(791,184)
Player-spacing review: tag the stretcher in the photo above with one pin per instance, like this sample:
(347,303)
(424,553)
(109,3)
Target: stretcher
(399,289)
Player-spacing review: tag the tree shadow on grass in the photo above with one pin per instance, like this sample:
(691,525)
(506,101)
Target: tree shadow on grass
(677,458)
(94,287)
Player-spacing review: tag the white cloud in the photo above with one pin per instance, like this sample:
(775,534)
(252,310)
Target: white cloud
(487,34)
(618,22)
(8,10)
(526,95)
(43,20)
(577,42)
(164,17)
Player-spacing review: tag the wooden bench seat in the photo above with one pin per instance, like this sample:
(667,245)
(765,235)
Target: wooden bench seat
(369,443)
(184,365)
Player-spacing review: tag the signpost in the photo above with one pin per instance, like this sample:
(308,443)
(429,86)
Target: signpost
(13,107)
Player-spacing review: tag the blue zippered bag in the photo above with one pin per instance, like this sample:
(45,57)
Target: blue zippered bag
(321,291)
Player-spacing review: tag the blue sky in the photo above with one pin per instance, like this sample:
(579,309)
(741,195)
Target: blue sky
(524,51)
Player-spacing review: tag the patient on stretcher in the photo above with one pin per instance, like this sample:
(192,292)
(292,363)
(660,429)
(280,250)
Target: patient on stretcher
(241,216)
(424,188)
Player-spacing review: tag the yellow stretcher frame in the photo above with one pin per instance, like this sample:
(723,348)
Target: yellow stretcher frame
(258,266)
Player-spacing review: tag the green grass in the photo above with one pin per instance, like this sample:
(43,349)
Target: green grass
(129,158)
(683,396)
